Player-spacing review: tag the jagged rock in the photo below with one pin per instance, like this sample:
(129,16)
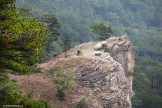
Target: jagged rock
(105,73)
(104,43)
(120,43)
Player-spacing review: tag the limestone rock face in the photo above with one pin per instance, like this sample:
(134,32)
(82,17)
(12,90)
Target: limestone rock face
(106,76)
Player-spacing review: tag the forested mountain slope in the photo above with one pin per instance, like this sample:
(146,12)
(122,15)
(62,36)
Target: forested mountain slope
(140,19)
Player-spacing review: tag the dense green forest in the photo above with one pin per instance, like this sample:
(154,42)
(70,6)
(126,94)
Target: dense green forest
(141,20)
(70,22)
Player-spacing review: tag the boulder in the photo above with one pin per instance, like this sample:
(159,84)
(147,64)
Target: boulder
(104,43)
(98,53)
(98,46)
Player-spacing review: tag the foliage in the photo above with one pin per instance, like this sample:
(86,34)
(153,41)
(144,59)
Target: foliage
(136,102)
(106,49)
(7,84)
(60,94)
(102,30)
(36,69)
(66,41)
(63,78)
(21,44)
(82,103)
(21,39)
(14,98)
(53,27)
(148,82)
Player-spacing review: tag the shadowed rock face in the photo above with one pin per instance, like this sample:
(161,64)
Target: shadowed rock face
(106,74)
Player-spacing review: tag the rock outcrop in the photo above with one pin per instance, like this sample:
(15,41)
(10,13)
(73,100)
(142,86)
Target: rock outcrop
(102,74)
(107,74)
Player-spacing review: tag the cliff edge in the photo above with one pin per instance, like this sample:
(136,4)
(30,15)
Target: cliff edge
(105,67)
(102,72)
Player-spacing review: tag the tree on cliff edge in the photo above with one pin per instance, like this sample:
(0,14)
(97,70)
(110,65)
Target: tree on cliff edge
(21,39)
(102,30)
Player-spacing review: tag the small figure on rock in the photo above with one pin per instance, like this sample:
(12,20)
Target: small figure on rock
(55,55)
(78,52)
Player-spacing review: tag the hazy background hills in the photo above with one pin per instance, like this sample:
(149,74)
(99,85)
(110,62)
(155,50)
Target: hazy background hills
(141,20)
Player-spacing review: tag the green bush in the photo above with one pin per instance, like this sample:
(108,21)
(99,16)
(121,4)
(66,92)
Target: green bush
(63,79)
(82,103)
(60,94)
(106,49)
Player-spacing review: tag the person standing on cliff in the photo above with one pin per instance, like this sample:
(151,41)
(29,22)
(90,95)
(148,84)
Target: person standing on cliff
(55,55)
(78,52)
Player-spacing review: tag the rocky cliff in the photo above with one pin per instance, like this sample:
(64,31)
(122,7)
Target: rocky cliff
(105,67)
(102,73)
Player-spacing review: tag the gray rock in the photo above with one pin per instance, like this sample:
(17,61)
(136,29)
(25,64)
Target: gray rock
(104,43)
(98,53)
(120,43)
(106,74)
(98,46)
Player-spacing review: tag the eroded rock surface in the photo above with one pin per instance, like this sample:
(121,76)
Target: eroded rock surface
(108,74)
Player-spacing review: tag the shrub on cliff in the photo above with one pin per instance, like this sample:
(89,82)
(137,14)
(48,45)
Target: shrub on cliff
(82,103)
(106,49)
(63,78)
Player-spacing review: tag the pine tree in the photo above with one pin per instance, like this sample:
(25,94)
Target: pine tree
(21,39)
(66,41)
(53,27)
(102,30)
